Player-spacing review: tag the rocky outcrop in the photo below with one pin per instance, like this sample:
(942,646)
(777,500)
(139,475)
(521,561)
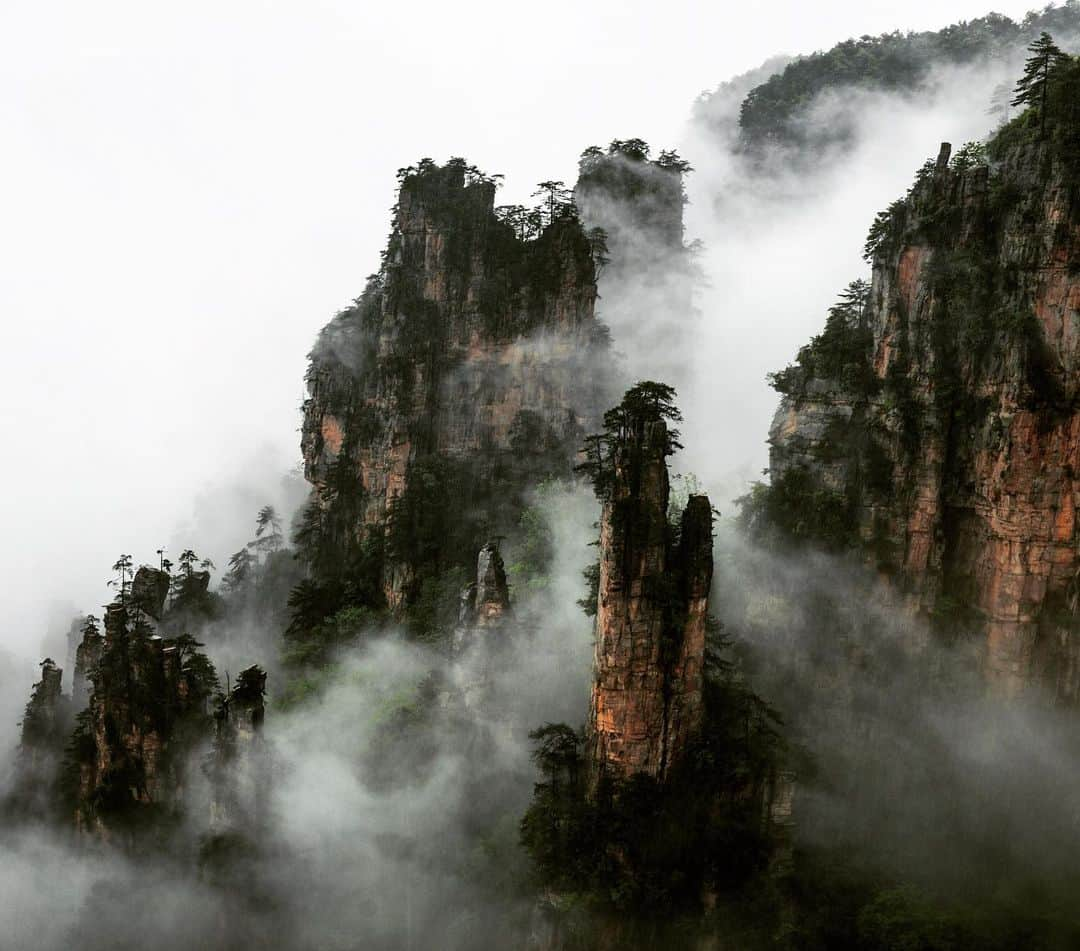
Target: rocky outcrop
(465,372)
(150,588)
(484,602)
(479,637)
(45,727)
(147,712)
(934,424)
(651,614)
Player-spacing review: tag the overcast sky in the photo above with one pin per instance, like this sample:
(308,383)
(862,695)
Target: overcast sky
(189,191)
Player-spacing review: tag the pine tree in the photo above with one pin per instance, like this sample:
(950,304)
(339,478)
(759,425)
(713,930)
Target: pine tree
(557,200)
(1031,88)
(124,571)
(268,537)
(645,402)
(241,564)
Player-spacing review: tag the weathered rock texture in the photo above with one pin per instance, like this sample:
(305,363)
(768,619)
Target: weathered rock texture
(150,588)
(478,640)
(147,711)
(465,372)
(651,615)
(937,427)
(484,602)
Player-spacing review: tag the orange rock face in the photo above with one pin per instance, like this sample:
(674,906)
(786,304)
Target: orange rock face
(651,618)
(974,312)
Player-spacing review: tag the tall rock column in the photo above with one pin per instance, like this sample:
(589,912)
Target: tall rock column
(467,372)
(651,614)
(147,714)
(477,640)
(45,726)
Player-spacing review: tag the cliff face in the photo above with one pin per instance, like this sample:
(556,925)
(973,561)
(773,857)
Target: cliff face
(934,424)
(651,615)
(464,373)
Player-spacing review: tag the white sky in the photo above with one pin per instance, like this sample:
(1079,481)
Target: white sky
(189,191)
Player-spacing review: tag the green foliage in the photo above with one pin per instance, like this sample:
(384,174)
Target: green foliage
(969,155)
(883,229)
(598,245)
(268,537)
(141,685)
(645,849)
(189,594)
(1052,119)
(771,111)
(589,603)
(625,425)
(1039,70)
(405,748)
(842,352)
(556,201)
(796,509)
(434,610)
(652,188)
(325,618)
(124,573)
(241,570)
(534,546)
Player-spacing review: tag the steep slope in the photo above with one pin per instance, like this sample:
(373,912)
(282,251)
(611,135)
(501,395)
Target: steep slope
(934,424)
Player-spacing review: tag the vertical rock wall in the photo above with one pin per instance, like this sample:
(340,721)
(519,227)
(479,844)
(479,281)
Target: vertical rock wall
(942,426)
(651,616)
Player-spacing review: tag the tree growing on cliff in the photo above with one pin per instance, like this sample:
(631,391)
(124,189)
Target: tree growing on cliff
(124,573)
(190,585)
(643,403)
(557,201)
(969,155)
(241,564)
(268,538)
(598,245)
(1031,88)
(670,158)
(635,149)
